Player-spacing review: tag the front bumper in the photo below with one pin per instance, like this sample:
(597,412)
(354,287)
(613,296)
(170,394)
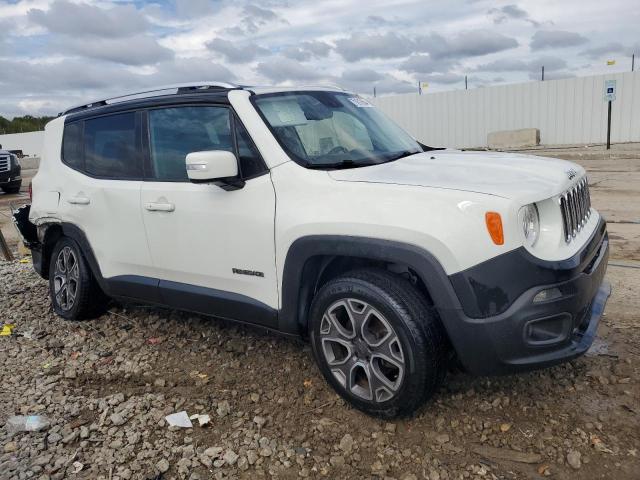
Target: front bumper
(11,177)
(525,334)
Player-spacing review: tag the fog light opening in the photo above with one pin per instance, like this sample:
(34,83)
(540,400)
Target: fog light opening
(548,330)
(547,294)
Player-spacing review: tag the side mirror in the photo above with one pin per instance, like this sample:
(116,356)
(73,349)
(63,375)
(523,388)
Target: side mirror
(219,167)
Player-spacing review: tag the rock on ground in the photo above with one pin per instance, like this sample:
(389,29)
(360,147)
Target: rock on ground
(272,414)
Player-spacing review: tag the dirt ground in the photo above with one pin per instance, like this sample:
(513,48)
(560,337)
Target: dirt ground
(105,385)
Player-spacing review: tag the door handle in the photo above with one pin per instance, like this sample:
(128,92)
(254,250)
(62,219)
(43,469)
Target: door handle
(159,207)
(79,200)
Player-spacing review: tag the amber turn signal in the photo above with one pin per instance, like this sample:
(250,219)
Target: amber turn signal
(494,226)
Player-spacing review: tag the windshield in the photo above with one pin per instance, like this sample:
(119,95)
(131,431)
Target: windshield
(333,130)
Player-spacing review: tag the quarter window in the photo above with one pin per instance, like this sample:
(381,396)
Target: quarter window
(72,145)
(175,132)
(111,147)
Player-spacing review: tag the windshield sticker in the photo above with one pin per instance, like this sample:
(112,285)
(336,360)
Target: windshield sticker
(359,102)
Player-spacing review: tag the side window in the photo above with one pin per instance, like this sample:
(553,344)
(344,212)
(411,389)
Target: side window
(175,132)
(72,145)
(250,161)
(110,146)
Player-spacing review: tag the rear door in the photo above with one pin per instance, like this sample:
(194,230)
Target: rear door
(101,194)
(213,250)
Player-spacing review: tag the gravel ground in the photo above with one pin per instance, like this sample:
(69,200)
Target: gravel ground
(107,384)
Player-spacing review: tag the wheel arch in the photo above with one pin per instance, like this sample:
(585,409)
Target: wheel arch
(50,233)
(313,260)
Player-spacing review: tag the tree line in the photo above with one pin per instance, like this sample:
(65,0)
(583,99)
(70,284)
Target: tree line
(28,123)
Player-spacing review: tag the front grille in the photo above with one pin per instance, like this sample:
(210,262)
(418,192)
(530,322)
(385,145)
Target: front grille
(4,164)
(575,205)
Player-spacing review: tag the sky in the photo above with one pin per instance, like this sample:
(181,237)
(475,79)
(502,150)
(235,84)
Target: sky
(59,53)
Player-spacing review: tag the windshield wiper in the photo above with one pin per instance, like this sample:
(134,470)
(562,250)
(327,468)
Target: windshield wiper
(400,155)
(340,164)
(427,148)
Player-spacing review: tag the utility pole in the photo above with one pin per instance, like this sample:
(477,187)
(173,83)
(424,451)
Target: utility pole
(543,73)
(466,86)
(419,89)
(374,92)
(633,61)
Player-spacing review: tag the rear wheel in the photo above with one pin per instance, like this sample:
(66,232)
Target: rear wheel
(75,293)
(377,342)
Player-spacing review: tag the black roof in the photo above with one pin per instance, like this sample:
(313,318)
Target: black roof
(207,96)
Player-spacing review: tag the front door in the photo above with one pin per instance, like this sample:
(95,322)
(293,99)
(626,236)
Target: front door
(212,250)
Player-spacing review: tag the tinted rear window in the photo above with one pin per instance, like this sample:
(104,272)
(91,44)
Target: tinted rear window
(72,145)
(111,149)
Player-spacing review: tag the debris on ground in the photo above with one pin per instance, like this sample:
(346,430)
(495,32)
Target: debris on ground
(180,419)
(507,454)
(272,415)
(30,423)
(77,467)
(202,419)
(7,329)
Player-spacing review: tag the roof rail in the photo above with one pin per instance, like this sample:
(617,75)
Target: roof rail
(323,85)
(152,92)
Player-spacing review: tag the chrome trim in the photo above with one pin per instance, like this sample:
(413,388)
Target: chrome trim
(575,207)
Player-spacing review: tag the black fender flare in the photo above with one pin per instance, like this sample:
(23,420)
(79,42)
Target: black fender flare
(295,290)
(77,234)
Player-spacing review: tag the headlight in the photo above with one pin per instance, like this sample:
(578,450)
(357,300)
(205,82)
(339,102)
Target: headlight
(530,222)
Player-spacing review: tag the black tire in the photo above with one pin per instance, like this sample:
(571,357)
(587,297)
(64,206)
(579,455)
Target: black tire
(89,301)
(416,325)
(13,189)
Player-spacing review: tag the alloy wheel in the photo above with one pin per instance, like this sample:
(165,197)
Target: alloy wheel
(65,278)
(362,350)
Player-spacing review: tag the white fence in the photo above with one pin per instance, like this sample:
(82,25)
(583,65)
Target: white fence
(570,111)
(30,143)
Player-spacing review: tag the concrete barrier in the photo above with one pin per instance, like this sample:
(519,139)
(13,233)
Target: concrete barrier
(31,143)
(30,163)
(525,137)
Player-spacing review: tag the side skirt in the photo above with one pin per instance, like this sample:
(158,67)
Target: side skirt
(193,298)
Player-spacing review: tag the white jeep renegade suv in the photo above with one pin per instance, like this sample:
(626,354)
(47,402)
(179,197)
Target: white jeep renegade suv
(308,212)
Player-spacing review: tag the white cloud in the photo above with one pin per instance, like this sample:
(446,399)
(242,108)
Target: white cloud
(281,69)
(556,39)
(235,52)
(81,19)
(56,52)
(136,50)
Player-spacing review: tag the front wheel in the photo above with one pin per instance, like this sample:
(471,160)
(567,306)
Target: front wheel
(377,342)
(75,293)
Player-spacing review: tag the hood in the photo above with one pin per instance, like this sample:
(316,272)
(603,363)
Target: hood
(507,175)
